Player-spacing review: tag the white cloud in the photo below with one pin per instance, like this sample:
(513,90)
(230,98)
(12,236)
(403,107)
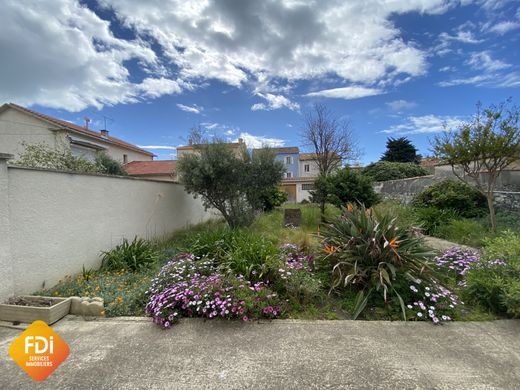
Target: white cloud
(155,87)
(159,147)
(255,141)
(193,109)
(398,105)
(274,102)
(209,125)
(484,61)
(60,54)
(504,27)
(425,124)
(241,42)
(347,92)
(460,36)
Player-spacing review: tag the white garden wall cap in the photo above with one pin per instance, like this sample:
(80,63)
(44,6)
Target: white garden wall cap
(6,156)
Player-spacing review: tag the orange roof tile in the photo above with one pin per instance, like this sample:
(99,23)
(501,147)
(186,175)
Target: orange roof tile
(157,167)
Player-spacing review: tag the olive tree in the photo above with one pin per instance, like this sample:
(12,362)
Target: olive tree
(487,144)
(233,184)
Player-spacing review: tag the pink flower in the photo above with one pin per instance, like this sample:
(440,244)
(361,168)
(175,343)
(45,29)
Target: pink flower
(245,318)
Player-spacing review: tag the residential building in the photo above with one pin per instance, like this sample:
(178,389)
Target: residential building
(301,171)
(239,148)
(163,170)
(19,125)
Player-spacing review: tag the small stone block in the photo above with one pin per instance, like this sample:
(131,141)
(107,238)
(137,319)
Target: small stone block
(292,217)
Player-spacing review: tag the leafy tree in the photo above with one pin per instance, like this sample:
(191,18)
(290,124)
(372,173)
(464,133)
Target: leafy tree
(486,144)
(401,150)
(345,186)
(330,139)
(108,166)
(384,170)
(232,184)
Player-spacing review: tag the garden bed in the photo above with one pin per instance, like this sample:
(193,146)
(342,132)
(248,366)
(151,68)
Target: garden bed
(28,309)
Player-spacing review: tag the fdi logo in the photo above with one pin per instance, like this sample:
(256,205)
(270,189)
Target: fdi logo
(39,351)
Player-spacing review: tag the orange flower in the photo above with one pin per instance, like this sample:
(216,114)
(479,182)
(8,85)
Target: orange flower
(393,243)
(350,207)
(330,249)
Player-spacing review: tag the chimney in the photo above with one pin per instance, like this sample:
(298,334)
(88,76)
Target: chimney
(87,121)
(104,133)
(240,140)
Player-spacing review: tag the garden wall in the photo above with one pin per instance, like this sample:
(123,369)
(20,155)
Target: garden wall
(404,190)
(52,223)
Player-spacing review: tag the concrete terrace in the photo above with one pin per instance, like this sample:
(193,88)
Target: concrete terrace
(133,353)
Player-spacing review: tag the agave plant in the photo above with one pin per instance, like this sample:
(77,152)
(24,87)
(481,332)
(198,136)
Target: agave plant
(369,252)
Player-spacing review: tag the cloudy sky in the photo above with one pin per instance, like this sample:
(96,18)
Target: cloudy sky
(250,69)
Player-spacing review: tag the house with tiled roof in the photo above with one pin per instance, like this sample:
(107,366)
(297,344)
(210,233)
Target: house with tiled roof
(20,125)
(163,170)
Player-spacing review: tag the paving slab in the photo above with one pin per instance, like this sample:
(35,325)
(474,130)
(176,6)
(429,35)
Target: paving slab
(133,353)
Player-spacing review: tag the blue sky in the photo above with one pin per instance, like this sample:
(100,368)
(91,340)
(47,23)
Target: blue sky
(252,69)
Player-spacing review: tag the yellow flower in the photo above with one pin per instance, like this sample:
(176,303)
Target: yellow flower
(330,249)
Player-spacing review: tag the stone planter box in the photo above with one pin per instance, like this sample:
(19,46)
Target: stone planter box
(29,314)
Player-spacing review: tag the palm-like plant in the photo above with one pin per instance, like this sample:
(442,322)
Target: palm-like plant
(369,252)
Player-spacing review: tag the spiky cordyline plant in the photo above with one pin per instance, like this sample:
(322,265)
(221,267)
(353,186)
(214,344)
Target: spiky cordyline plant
(369,252)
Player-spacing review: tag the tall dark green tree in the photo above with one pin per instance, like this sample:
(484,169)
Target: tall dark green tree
(401,150)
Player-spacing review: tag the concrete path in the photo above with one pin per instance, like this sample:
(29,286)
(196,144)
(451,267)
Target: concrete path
(136,354)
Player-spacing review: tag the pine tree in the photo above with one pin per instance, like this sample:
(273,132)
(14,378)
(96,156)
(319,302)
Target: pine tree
(400,150)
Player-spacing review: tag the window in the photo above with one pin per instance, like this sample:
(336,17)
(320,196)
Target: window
(288,175)
(308,186)
(125,158)
(307,168)
(288,160)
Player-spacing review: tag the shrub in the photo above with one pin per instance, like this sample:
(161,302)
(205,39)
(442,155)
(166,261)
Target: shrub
(494,283)
(432,219)
(371,254)
(345,186)
(462,231)
(385,170)
(271,198)
(452,195)
(108,166)
(131,256)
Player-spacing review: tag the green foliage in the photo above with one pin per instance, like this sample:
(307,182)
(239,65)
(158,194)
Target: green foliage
(46,157)
(432,219)
(462,231)
(233,185)
(400,150)
(236,250)
(108,166)
(370,253)
(131,256)
(124,293)
(452,195)
(385,170)
(345,186)
(488,143)
(405,215)
(495,283)
(271,198)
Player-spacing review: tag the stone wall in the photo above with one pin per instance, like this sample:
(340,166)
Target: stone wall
(405,189)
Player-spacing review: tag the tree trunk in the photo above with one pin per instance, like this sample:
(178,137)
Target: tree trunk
(322,209)
(492,215)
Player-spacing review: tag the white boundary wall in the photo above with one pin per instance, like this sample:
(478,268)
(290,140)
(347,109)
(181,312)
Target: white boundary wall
(52,223)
